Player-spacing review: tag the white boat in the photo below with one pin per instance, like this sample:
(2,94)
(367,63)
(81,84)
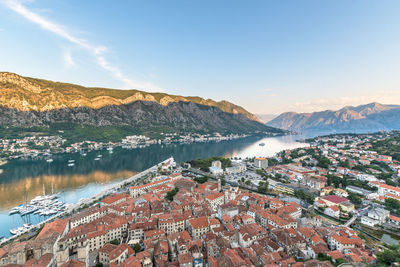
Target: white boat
(71,164)
(71,161)
(49,160)
(28,209)
(17,231)
(97,159)
(16,209)
(13,211)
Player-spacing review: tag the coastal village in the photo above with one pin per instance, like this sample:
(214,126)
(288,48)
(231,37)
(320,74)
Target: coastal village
(45,146)
(311,206)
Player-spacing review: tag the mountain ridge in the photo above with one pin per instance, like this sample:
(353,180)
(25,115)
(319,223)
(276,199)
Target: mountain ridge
(28,102)
(369,117)
(96,97)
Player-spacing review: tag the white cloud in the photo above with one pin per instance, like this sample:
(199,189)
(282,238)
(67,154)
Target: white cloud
(97,51)
(69,62)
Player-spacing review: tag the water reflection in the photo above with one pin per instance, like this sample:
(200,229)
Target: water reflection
(15,193)
(23,177)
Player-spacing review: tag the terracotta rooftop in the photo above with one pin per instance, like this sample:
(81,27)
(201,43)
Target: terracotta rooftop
(57,226)
(201,222)
(132,261)
(42,262)
(73,263)
(119,250)
(335,254)
(113,198)
(185,258)
(214,196)
(150,184)
(335,199)
(107,248)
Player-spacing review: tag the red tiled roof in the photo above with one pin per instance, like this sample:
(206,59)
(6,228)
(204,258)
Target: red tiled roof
(394,218)
(185,258)
(119,250)
(335,199)
(57,226)
(214,196)
(113,198)
(334,208)
(397,189)
(316,239)
(95,234)
(335,254)
(42,262)
(156,232)
(73,263)
(201,222)
(107,248)
(131,262)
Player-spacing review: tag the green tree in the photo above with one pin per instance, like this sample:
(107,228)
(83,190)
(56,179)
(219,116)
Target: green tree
(137,248)
(201,180)
(392,204)
(170,195)
(344,164)
(355,199)
(323,162)
(223,181)
(308,197)
(323,257)
(114,242)
(263,187)
(389,256)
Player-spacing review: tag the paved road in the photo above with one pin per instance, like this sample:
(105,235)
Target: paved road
(360,213)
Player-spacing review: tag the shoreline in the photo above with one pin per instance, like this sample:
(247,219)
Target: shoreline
(42,155)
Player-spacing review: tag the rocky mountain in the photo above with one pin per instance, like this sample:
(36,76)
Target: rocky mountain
(27,102)
(369,117)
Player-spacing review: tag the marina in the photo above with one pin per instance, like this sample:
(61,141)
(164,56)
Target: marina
(42,205)
(26,227)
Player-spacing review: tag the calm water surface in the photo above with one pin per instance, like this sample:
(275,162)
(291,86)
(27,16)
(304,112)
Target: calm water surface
(24,179)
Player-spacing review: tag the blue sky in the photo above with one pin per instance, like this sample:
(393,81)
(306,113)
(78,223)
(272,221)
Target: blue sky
(268,56)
